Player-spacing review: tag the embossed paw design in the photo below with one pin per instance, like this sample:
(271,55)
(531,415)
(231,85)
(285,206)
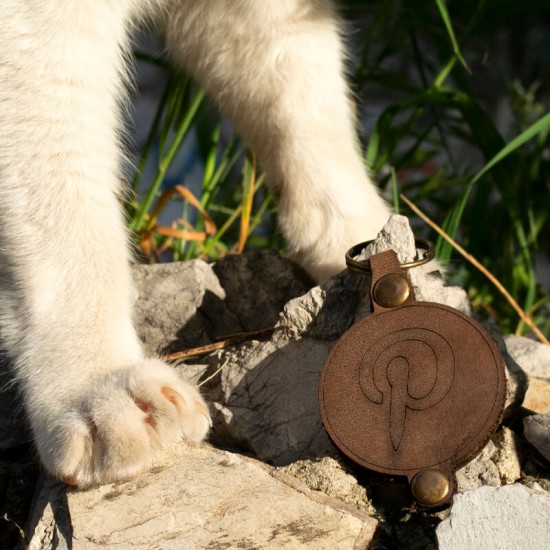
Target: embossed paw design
(115,431)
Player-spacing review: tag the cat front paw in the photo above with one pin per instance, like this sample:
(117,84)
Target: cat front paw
(115,430)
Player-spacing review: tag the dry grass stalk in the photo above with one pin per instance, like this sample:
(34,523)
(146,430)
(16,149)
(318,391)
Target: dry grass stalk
(525,318)
(222,344)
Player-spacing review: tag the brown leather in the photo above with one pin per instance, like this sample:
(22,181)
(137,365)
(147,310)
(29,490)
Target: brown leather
(419,386)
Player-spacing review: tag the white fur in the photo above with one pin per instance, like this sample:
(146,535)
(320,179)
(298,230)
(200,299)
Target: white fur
(275,67)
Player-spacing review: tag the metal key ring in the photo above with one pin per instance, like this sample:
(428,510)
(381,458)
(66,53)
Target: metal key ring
(364,265)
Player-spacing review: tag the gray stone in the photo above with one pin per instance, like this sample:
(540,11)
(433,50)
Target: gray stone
(266,396)
(537,432)
(534,359)
(513,517)
(395,235)
(517,380)
(330,477)
(264,402)
(532,356)
(480,471)
(188,304)
(199,497)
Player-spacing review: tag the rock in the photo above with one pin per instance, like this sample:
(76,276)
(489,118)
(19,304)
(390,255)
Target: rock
(506,457)
(395,235)
(266,397)
(187,304)
(508,518)
(264,400)
(516,378)
(532,356)
(539,483)
(199,497)
(496,465)
(329,476)
(536,429)
(480,471)
(534,359)
(537,397)
(427,281)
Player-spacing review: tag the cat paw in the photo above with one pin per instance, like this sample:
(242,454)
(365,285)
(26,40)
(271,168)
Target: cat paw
(117,428)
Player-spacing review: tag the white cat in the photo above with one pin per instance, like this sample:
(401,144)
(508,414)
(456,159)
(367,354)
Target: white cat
(99,409)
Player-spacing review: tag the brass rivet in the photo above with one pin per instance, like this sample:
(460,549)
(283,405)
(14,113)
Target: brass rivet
(430,487)
(391,290)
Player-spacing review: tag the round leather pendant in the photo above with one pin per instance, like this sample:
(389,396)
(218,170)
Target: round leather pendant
(413,388)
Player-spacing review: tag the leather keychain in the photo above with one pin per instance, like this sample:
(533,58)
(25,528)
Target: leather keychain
(416,389)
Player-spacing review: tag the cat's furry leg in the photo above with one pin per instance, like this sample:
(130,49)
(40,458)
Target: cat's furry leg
(98,409)
(276,69)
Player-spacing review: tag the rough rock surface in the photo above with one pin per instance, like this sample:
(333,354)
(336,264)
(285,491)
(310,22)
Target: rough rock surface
(507,456)
(533,356)
(508,518)
(480,471)
(188,304)
(537,397)
(537,432)
(330,477)
(200,497)
(266,396)
(263,396)
(534,359)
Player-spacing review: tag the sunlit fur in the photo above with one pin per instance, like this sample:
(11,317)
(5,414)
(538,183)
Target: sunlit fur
(98,409)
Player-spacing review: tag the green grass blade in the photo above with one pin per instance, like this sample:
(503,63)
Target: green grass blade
(441,6)
(394,191)
(452,221)
(138,221)
(151,136)
(525,136)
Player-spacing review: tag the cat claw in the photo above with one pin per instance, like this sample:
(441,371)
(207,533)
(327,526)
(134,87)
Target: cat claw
(115,432)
